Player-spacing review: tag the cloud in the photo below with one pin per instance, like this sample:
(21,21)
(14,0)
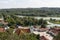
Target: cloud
(29,3)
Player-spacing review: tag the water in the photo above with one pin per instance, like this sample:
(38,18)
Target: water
(45,18)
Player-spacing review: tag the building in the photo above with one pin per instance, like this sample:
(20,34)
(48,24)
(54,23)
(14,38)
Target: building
(1,20)
(22,30)
(5,22)
(41,32)
(43,38)
(54,31)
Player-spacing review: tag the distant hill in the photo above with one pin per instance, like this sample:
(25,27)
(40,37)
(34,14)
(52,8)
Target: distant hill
(44,11)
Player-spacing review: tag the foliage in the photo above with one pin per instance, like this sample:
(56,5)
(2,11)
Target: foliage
(10,36)
(25,21)
(42,12)
(57,37)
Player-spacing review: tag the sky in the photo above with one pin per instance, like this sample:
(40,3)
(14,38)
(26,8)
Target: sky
(29,3)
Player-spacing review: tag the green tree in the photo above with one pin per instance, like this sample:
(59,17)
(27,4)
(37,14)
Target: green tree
(57,37)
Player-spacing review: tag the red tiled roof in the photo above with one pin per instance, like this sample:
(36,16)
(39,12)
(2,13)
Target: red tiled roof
(43,29)
(42,38)
(18,31)
(55,30)
(58,29)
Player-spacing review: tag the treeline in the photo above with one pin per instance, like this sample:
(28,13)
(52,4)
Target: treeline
(26,21)
(43,12)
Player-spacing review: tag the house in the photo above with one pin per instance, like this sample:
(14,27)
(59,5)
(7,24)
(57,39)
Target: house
(43,29)
(5,22)
(42,32)
(43,38)
(22,30)
(54,31)
(38,29)
(1,20)
(57,28)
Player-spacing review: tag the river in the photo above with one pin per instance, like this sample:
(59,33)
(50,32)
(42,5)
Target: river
(45,18)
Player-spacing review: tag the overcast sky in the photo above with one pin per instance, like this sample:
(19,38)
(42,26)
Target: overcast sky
(29,3)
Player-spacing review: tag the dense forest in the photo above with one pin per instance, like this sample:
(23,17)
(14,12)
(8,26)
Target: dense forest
(42,12)
(13,21)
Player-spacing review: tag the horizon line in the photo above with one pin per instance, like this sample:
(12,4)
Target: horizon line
(28,7)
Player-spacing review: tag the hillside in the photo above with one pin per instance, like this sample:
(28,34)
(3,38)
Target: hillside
(43,12)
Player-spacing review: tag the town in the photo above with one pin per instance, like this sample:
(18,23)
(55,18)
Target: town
(43,29)
(29,19)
